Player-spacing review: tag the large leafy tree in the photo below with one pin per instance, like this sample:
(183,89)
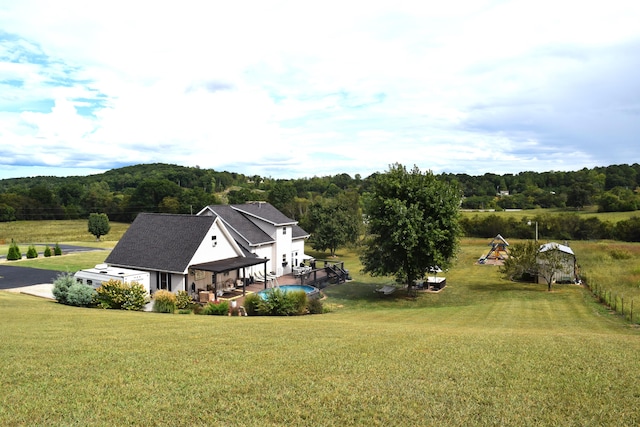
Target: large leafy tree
(98,225)
(333,224)
(412,224)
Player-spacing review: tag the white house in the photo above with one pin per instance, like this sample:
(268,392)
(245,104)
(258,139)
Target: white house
(265,232)
(214,249)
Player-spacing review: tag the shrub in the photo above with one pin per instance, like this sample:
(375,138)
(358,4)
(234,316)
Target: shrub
(315,306)
(280,303)
(213,309)
(620,254)
(14,253)
(125,296)
(56,250)
(80,295)
(299,301)
(47,252)
(185,311)
(32,252)
(164,302)
(183,300)
(61,287)
(251,304)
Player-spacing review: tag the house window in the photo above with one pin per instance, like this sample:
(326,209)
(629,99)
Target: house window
(214,241)
(164,281)
(284,230)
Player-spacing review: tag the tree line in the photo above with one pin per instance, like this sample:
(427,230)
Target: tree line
(124,192)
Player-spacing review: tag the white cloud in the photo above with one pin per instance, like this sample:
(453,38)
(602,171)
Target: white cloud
(306,88)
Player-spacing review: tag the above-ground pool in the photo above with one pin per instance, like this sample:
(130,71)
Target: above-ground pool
(311,291)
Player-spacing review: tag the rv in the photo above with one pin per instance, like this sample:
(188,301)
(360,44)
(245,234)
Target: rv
(103,273)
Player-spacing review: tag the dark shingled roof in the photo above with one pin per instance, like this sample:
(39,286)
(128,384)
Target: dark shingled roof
(266,212)
(298,232)
(243,230)
(161,242)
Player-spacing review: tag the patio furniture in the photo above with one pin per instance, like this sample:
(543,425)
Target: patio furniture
(203,296)
(386,290)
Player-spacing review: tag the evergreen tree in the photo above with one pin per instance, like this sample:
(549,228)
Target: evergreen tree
(14,253)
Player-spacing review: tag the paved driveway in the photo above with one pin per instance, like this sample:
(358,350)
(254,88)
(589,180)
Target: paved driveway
(17,277)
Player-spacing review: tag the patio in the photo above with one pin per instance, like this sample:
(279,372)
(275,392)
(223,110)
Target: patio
(238,294)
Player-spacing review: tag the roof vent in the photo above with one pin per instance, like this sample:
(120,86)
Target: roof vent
(102,267)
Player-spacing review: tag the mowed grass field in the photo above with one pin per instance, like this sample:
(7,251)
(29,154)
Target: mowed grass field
(484,351)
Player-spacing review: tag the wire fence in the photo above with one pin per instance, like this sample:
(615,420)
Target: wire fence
(616,301)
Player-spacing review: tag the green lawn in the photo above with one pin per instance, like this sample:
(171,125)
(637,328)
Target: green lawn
(482,352)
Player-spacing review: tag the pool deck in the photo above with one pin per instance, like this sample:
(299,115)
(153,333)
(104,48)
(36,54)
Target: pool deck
(238,296)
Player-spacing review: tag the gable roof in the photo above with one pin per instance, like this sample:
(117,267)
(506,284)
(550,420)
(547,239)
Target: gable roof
(243,230)
(298,232)
(266,212)
(161,242)
(237,220)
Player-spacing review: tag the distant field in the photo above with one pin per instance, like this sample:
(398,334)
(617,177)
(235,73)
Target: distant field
(484,351)
(612,217)
(55,231)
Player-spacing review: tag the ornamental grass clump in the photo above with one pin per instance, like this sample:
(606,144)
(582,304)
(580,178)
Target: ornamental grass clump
(251,304)
(315,306)
(164,302)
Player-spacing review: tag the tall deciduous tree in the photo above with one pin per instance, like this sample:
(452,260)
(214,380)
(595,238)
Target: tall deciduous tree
(412,224)
(333,225)
(98,225)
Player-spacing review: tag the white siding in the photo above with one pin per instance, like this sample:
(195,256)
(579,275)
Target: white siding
(225,247)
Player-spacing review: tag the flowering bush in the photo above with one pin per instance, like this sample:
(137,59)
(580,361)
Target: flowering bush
(119,295)
(183,300)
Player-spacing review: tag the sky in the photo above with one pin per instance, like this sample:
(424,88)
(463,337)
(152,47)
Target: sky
(292,89)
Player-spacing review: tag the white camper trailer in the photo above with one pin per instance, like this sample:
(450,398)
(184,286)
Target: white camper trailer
(103,273)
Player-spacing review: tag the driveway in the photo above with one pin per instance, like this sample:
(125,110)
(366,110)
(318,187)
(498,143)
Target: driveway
(66,249)
(26,278)
(17,277)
